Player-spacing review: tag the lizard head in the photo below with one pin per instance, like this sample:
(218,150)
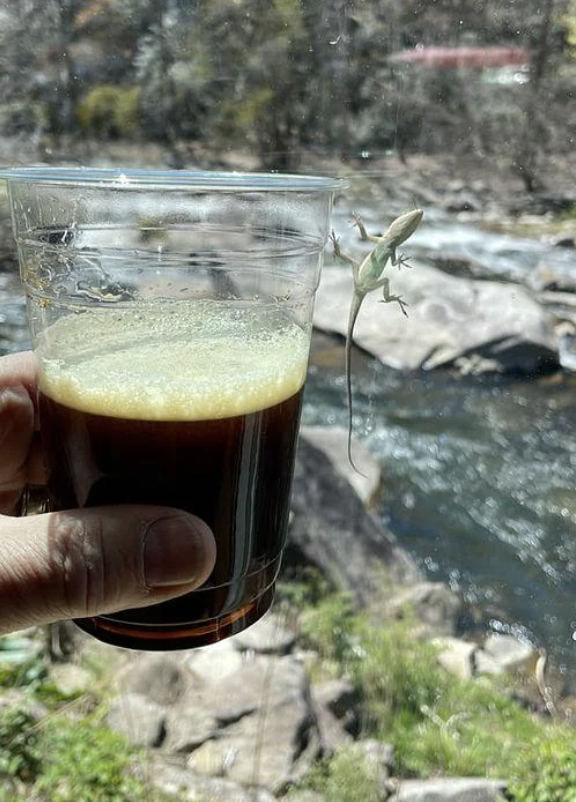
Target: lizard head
(403,227)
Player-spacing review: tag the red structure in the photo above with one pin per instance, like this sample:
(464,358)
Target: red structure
(481,58)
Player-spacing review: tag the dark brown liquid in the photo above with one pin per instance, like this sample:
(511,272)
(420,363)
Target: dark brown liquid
(235,473)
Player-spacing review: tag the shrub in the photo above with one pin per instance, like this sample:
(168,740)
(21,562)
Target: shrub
(345,777)
(437,723)
(546,772)
(20,748)
(110,111)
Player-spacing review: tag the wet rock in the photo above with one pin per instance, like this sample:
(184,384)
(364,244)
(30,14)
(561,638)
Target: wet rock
(267,636)
(140,720)
(158,677)
(333,441)
(503,653)
(332,530)
(540,203)
(545,277)
(435,606)
(189,787)
(457,265)
(456,656)
(461,789)
(448,318)
(566,241)
(461,201)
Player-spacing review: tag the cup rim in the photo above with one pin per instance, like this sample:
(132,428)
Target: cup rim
(187,180)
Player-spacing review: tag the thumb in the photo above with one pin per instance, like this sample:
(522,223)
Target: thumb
(79,563)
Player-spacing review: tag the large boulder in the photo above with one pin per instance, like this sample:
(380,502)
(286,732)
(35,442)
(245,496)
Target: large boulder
(437,609)
(187,786)
(268,735)
(333,441)
(332,530)
(138,718)
(458,789)
(448,318)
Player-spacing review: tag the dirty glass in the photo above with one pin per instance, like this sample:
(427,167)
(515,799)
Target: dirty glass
(423,633)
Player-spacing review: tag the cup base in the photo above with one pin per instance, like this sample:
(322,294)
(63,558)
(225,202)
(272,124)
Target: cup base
(189,636)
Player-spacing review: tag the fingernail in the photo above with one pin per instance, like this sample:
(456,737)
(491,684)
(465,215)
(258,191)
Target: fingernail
(174,552)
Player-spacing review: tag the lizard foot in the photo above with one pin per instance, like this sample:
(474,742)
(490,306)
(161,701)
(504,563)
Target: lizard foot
(398,299)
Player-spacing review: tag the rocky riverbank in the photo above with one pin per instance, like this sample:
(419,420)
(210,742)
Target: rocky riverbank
(254,717)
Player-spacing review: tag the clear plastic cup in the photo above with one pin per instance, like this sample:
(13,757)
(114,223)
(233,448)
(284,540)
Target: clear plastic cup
(171,315)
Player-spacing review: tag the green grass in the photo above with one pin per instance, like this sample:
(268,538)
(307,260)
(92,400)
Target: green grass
(345,777)
(438,724)
(67,755)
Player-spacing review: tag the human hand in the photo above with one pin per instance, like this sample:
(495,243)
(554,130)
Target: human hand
(80,563)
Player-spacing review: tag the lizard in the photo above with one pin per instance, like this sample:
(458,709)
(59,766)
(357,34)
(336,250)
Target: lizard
(368,277)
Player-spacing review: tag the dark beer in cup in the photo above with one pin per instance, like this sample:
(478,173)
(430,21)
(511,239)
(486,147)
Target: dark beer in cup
(193,405)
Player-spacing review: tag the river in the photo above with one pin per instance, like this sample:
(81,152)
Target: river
(480,472)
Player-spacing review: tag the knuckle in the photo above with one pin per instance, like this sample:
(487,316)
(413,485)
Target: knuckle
(79,562)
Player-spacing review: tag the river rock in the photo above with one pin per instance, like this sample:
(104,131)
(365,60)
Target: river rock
(333,735)
(188,727)
(214,663)
(546,277)
(333,441)
(268,733)
(332,530)
(337,695)
(378,755)
(502,653)
(71,679)
(140,720)
(337,714)
(448,318)
(460,789)
(437,608)
(158,677)
(267,636)
(456,656)
(189,787)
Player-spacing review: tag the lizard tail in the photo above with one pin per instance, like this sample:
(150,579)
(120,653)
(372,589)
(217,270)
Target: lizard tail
(354,309)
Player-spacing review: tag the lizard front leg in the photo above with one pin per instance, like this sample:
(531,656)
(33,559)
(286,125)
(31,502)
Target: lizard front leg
(362,229)
(342,256)
(399,261)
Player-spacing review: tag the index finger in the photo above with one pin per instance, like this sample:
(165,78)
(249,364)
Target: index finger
(20,458)
(20,370)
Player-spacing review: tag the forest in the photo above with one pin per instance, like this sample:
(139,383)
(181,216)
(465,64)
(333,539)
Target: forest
(286,77)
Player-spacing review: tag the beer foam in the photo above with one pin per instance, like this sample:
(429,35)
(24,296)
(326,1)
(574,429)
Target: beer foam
(173,360)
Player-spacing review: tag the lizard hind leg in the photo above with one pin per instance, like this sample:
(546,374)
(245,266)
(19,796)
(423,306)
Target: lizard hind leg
(389,298)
